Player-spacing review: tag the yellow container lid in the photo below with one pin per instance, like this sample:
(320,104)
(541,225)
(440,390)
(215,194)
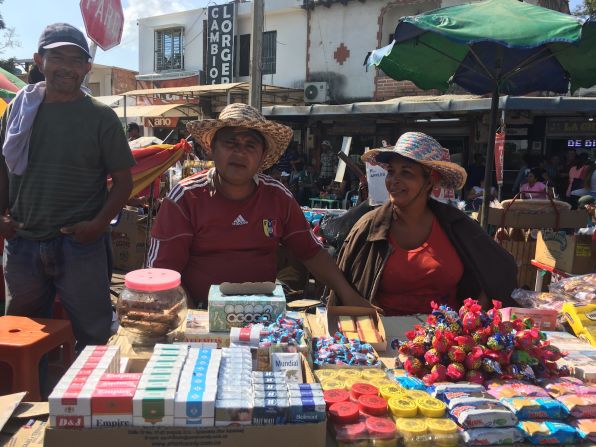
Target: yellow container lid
(325,374)
(373,373)
(441,426)
(349,373)
(381,382)
(393,390)
(348,382)
(431,407)
(403,407)
(417,394)
(411,426)
(332,384)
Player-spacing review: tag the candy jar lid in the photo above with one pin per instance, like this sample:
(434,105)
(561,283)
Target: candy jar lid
(381,428)
(152,280)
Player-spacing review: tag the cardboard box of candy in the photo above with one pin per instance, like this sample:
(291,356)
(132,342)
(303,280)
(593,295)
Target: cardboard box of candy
(236,307)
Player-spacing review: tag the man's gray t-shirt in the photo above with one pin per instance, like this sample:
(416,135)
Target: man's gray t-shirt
(73,147)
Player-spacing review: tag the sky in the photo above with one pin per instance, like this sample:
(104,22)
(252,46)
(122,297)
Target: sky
(29,24)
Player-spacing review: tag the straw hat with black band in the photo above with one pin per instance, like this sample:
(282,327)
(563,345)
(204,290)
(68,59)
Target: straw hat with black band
(277,136)
(427,151)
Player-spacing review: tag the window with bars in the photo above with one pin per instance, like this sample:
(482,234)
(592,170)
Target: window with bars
(169,54)
(269,55)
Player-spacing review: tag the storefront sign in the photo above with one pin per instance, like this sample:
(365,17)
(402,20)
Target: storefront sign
(570,127)
(577,143)
(220,44)
(161,121)
(499,154)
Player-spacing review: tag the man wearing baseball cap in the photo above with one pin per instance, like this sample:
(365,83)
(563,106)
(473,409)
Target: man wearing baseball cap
(58,147)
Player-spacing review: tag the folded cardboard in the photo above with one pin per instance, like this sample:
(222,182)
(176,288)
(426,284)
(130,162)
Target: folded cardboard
(569,253)
(528,219)
(129,239)
(544,319)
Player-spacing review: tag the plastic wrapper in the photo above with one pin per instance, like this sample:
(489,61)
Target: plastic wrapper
(549,432)
(580,406)
(515,389)
(483,413)
(526,408)
(493,436)
(567,385)
(581,289)
(416,432)
(447,387)
(586,429)
(541,300)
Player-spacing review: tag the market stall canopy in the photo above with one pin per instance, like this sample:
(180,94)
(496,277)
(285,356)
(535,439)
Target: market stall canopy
(158,110)
(9,86)
(109,100)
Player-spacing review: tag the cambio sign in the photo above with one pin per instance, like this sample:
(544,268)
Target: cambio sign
(220,44)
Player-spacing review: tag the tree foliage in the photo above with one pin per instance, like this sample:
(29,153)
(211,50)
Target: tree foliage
(586,8)
(8,39)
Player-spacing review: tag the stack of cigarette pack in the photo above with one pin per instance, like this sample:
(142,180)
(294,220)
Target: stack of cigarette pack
(153,402)
(195,398)
(271,402)
(307,404)
(234,399)
(111,402)
(70,401)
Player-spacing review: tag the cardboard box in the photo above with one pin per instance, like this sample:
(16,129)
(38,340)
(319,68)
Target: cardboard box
(545,319)
(196,330)
(227,311)
(129,239)
(527,219)
(569,253)
(333,312)
(289,435)
(523,252)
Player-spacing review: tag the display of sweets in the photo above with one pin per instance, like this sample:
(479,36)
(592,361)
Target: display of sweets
(360,327)
(153,402)
(235,395)
(562,386)
(549,432)
(195,397)
(586,428)
(339,351)
(493,436)
(474,345)
(70,401)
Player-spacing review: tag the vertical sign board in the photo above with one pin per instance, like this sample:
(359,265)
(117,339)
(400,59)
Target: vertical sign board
(220,44)
(499,156)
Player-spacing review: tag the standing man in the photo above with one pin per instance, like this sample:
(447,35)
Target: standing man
(328,163)
(58,146)
(134,131)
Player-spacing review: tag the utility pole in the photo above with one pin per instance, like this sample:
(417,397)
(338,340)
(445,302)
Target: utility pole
(256,54)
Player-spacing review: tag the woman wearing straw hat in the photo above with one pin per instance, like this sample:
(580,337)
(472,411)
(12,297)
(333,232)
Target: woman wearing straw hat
(414,250)
(226,224)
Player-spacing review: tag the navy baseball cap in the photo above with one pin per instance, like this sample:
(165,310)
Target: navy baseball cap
(61,34)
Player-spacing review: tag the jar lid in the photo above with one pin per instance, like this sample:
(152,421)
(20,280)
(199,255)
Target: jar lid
(441,426)
(431,407)
(152,280)
(381,428)
(403,407)
(411,426)
(361,389)
(344,412)
(373,405)
(335,395)
(350,432)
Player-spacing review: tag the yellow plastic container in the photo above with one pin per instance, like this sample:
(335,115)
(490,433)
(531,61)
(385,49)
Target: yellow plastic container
(333,384)
(417,394)
(581,319)
(403,407)
(349,374)
(372,373)
(389,391)
(431,407)
(381,382)
(326,374)
(443,432)
(413,431)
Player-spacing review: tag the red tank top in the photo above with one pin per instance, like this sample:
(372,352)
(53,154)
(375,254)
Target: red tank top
(412,279)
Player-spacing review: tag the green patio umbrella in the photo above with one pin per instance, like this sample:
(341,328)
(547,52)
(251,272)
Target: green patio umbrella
(492,46)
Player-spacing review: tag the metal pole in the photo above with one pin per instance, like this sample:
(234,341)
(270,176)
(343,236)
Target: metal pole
(256,53)
(490,157)
(92,51)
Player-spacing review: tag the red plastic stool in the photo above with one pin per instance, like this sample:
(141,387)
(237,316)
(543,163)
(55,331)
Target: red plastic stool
(24,341)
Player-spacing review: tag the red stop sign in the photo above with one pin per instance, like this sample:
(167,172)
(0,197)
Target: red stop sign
(104,20)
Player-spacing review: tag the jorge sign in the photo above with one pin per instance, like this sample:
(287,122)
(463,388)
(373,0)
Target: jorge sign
(161,121)
(220,44)
(104,20)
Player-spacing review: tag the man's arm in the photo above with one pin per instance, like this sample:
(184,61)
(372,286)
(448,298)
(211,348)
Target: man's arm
(90,230)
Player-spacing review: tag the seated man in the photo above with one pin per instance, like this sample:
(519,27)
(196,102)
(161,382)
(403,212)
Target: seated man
(225,224)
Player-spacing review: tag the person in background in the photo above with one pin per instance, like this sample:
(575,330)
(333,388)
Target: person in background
(34,75)
(328,163)
(304,183)
(522,174)
(134,131)
(588,203)
(59,145)
(476,172)
(226,224)
(534,188)
(475,196)
(414,250)
(588,180)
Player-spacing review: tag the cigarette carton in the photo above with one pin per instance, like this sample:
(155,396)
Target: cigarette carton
(70,421)
(153,407)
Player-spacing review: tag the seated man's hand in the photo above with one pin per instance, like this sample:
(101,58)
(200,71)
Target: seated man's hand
(84,232)
(9,227)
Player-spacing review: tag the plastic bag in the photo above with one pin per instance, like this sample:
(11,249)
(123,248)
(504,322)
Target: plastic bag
(335,229)
(542,300)
(580,289)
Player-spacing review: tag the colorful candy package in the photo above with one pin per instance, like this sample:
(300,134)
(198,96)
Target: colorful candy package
(586,428)
(516,389)
(493,436)
(567,385)
(580,407)
(549,432)
(483,414)
(535,408)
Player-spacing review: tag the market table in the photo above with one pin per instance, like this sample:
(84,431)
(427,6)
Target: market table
(541,269)
(329,203)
